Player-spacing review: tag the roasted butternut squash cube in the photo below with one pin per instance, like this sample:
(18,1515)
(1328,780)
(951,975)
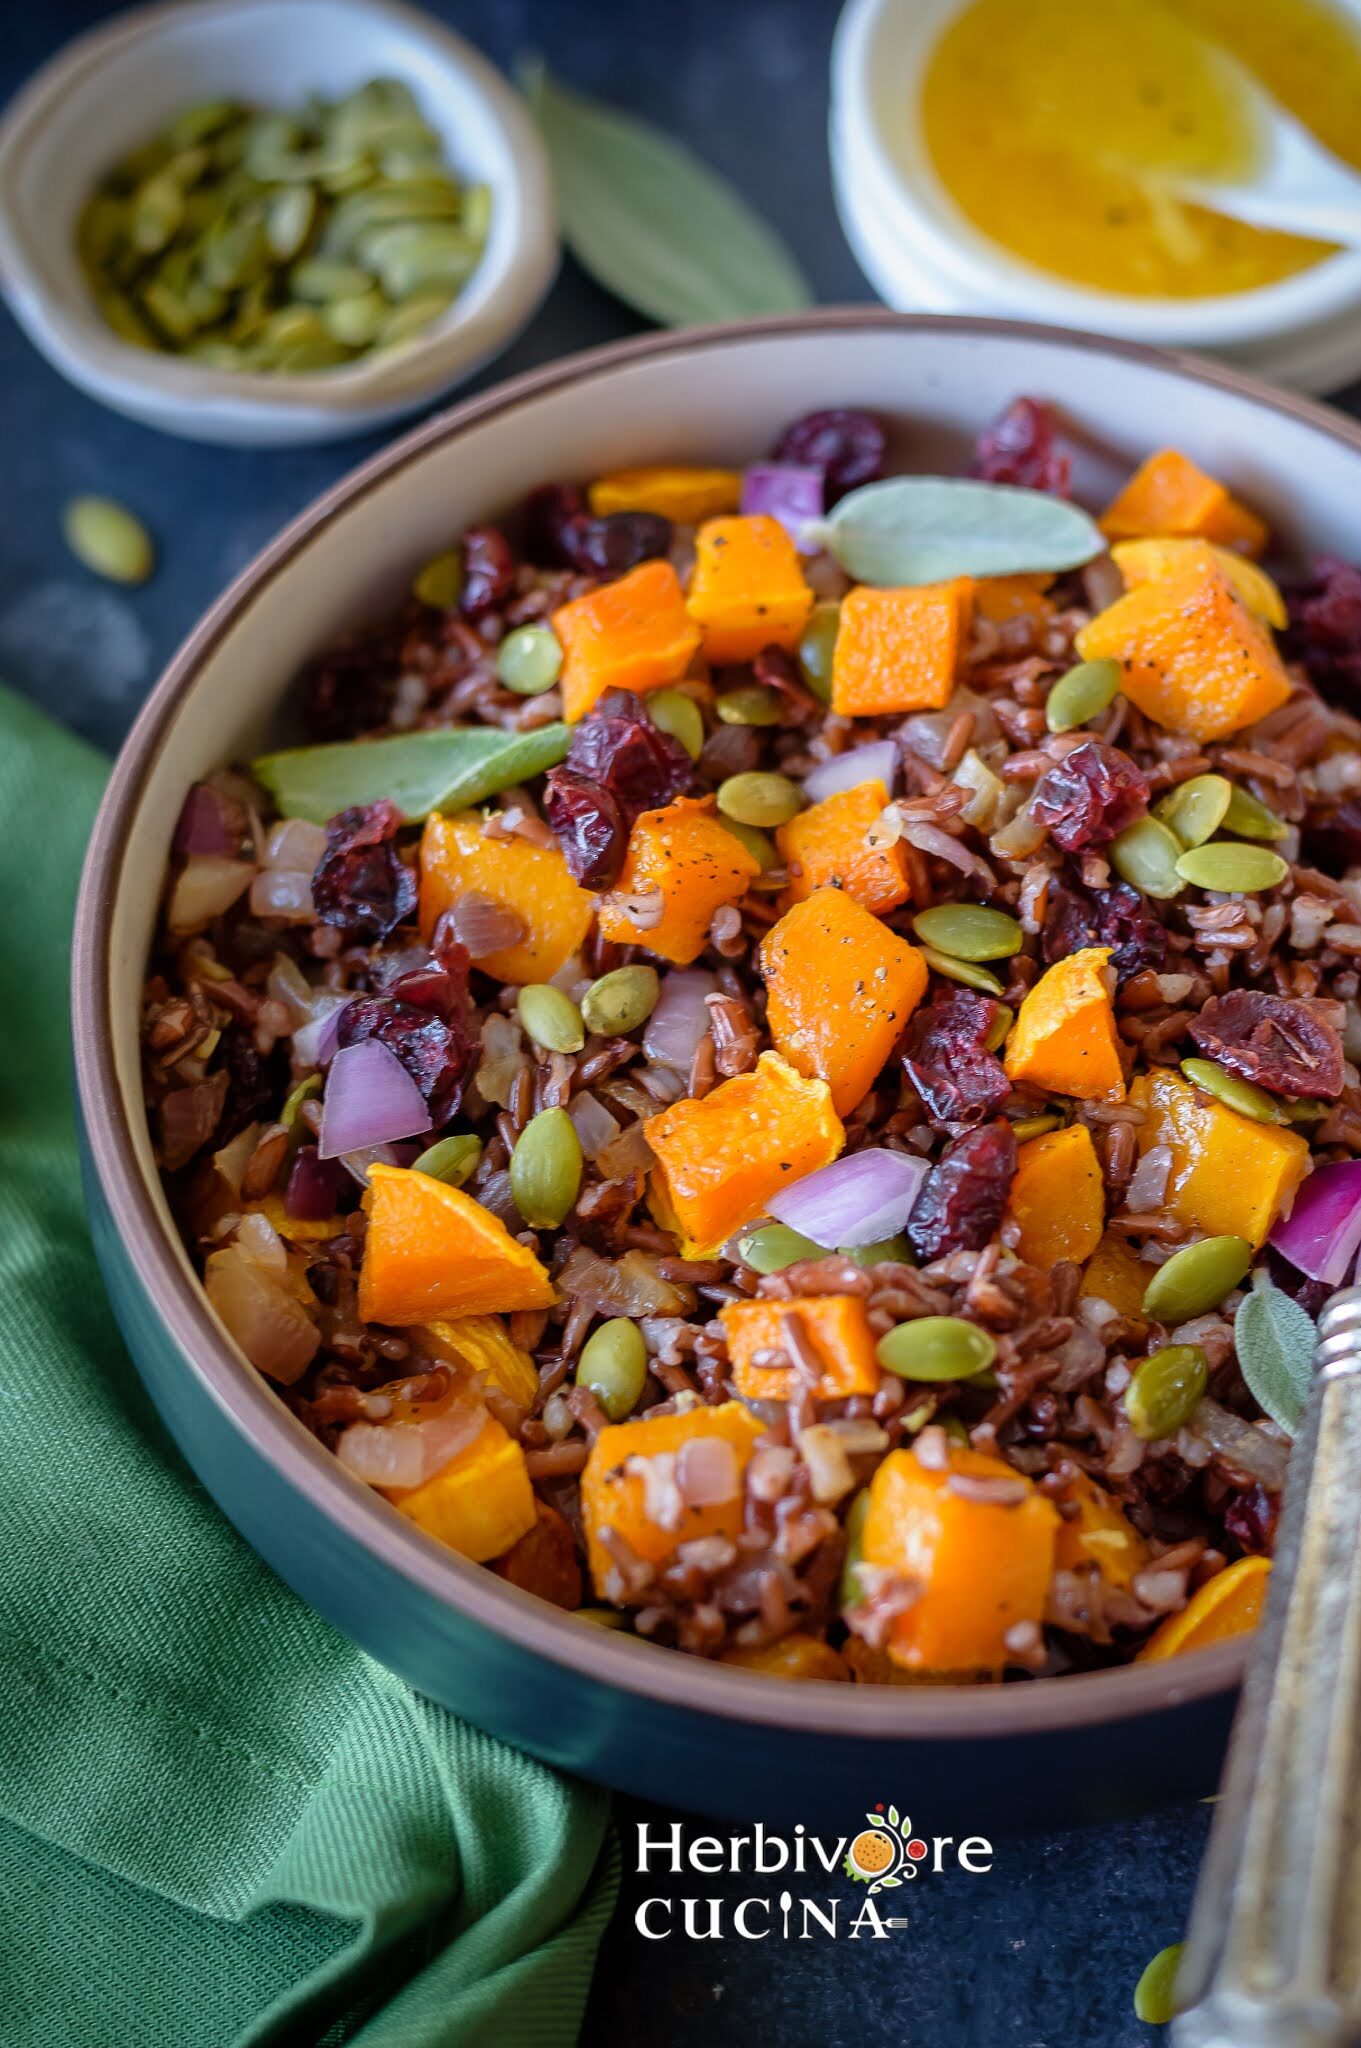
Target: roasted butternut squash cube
(457,859)
(682,864)
(793,1656)
(1195,659)
(483,1344)
(1002,598)
(633,634)
(748,590)
(480,1503)
(636,1484)
(983,1565)
(722,1157)
(1145,561)
(1230,1604)
(826,847)
(1114,1274)
(1230,1177)
(899,650)
(1096,1534)
(1064,1037)
(835,1328)
(1058,1197)
(431,1253)
(840,986)
(676,492)
(544,1560)
(1170,494)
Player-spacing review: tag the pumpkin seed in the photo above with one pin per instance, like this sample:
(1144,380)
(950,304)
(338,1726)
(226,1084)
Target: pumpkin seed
(1147,854)
(996,1035)
(405,322)
(108,539)
(1196,1279)
(197,124)
(1166,1390)
(1034,1126)
(674,712)
(545,1169)
(1250,819)
(411,256)
(355,322)
(817,644)
(851,1591)
(1233,1091)
(613,1364)
(1232,869)
(753,704)
(936,1348)
(774,1246)
(886,1251)
(1196,808)
(759,799)
(1082,694)
(320,278)
(968,931)
(1305,1112)
(305,1091)
(621,1000)
(441,580)
(289,221)
(1155,2001)
(452,1160)
(550,1017)
(759,845)
(157,211)
(961,970)
(529,660)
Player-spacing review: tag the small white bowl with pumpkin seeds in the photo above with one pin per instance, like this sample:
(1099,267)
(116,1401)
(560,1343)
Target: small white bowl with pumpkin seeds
(272,221)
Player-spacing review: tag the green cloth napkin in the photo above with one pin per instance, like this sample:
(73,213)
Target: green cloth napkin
(220,1823)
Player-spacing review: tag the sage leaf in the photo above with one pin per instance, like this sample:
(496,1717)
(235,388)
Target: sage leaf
(1275,1341)
(420,772)
(653,224)
(924,529)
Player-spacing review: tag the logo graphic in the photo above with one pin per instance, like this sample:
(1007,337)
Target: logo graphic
(886,1852)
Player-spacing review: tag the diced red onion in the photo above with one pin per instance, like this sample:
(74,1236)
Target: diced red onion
(206,886)
(680,1019)
(208,823)
(370,1100)
(315,1042)
(285,893)
(295,846)
(858,1200)
(595,1127)
(312,1187)
(358,1162)
(706,1471)
(875,763)
(1322,1233)
(791,492)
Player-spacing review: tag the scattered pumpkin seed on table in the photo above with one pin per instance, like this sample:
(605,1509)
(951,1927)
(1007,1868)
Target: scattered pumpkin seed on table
(109,539)
(212,238)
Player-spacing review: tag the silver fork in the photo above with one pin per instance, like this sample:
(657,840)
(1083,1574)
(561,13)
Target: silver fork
(1273,1957)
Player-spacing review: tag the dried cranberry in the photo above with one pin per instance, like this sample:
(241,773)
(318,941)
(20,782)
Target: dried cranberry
(1090,795)
(965,1194)
(948,1062)
(618,765)
(617,543)
(551,513)
(847,446)
(362,884)
(488,571)
(777,670)
(255,1082)
(1250,1518)
(1276,1042)
(1118,917)
(1325,627)
(1313,1296)
(1019,449)
(1332,838)
(589,825)
(350,691)
(426,1018)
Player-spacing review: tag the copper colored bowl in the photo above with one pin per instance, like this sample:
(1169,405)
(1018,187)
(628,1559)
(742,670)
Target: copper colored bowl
(608,1706)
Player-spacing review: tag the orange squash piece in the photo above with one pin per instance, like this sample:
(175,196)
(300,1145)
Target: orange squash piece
(633,634)
(1230,1604)
(794,1656)
(824,848)
(1231,1176)
(898,650)
(686,853)
(748,590)
(836,1329)
(544,1559)
(1169,493)
(1115,1275)
(1097,1533)
(1002,598)
(720,1159)
(840,986)
(1058,1197)
(681,494)
(614,1493)
(1064,1036)
(1195,659)
(457,859)
(981,1566)
(1145,561)
(483,1344)
(297,1229)
(480,1503)
(432,1253)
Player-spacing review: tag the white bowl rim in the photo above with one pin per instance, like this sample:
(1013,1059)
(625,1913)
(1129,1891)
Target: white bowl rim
(945,240)
(254,1411)
(83,347)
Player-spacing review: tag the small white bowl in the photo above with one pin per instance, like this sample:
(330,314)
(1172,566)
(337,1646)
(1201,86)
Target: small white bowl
(109,91)
(919,250)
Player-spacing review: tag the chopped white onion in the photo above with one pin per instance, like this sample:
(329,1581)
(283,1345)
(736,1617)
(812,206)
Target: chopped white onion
(314,1043)
(271,1326)
(875,763)
(681,1018)
(295,846)
(205,887)
(1147,1188)
(283,892)
(594,1125)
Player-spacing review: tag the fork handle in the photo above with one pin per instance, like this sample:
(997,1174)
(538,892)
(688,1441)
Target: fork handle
(1273,1957)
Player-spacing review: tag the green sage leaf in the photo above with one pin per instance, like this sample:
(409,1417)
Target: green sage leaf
(419,771)
(653,224)
(1275,1341)
(924,529)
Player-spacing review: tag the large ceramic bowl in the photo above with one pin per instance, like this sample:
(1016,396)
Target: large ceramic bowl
(604,1705)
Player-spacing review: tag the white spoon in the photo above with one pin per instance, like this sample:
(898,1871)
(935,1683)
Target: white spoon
(1297,184)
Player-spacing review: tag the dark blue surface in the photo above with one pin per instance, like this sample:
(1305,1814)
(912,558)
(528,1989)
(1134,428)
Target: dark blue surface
(1044,1951)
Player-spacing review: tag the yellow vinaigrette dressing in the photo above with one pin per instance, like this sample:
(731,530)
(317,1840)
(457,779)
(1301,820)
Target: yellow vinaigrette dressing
(1055,125)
